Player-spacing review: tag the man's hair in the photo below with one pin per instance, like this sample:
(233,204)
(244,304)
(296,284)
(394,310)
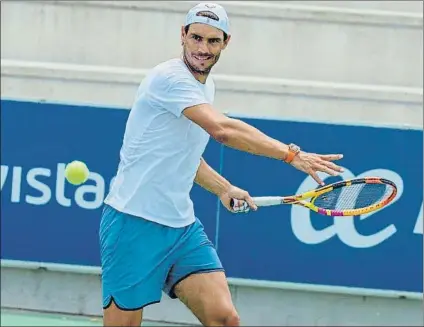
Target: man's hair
(188,26)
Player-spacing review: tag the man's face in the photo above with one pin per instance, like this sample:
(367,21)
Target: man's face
(202,46)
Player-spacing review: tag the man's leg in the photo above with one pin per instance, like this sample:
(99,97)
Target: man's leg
(197,278)
(207,295)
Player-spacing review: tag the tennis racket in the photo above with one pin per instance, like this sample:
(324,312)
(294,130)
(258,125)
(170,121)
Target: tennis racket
(346,198)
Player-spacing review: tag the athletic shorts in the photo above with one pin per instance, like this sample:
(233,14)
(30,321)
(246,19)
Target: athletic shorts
(141,258)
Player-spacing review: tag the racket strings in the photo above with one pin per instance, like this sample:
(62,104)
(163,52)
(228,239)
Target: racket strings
(354,196)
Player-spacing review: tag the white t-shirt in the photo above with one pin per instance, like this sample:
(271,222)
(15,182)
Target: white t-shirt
(162,148)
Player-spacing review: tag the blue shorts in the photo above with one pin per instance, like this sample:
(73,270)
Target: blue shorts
(141,258)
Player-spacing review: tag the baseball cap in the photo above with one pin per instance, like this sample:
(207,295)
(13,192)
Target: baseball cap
(211,14)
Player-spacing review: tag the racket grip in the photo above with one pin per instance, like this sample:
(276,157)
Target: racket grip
(266,201)
(262,201)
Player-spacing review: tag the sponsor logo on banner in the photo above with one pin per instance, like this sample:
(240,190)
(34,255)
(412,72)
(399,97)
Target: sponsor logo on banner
(87,196)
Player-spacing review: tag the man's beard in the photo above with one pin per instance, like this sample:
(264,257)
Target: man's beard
(196,70)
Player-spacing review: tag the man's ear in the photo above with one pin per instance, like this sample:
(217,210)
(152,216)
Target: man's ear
(183,34)
(226,42)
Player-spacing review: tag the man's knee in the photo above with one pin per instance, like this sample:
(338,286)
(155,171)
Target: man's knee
(114,316)
(224,317)
(232,319)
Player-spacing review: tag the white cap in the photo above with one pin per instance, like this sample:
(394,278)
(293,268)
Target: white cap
(211,14)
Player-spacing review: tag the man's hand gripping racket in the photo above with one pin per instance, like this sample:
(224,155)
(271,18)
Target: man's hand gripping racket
(237,200)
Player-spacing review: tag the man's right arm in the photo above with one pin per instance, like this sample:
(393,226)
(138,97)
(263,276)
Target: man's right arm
(236,133)
(242,136)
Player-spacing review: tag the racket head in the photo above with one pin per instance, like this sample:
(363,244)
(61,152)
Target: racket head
(353,197)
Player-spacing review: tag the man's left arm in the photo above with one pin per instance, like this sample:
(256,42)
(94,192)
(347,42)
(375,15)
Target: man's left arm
(211,180)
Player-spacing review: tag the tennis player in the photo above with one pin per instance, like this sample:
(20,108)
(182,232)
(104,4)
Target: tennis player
(151,240)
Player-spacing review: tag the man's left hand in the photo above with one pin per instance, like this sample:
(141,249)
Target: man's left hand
(244,203)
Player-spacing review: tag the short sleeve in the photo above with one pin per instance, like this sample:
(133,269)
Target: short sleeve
(175,92)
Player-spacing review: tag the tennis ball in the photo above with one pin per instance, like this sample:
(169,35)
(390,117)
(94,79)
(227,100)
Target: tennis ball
(76,172)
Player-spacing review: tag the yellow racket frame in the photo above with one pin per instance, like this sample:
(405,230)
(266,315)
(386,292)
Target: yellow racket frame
(313,195)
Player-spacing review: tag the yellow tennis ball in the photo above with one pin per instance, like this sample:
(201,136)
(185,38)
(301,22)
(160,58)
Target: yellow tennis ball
(76,172)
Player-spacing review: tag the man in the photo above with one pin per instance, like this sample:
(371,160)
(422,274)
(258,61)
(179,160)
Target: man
(149,235)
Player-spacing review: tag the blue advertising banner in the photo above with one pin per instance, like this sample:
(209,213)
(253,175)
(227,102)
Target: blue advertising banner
(45,219)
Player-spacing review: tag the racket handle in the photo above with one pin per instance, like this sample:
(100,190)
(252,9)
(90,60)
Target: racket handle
(262,201)
(265,201)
